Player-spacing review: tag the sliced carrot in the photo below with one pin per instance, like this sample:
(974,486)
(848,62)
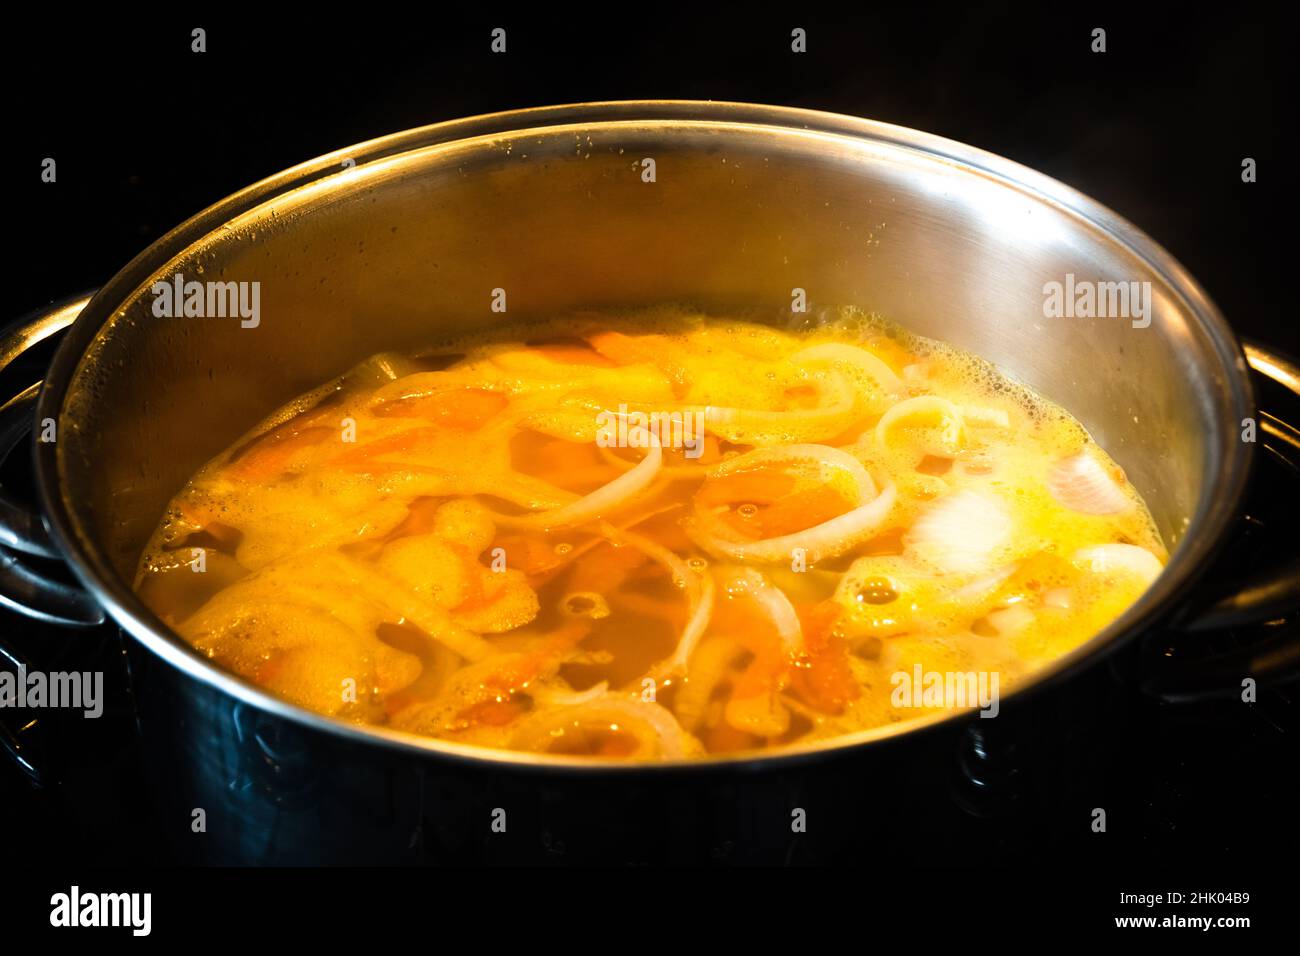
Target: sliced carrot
(463,409)
(761,486)
(491,713)
(620,348)
(888,542)
(571,352)
(605,569)
(485,588)
(362,457)
(818,622)
(824,678)
(767,671)
(634,350)
(570,465)
(803,396)
(801,510)
(197,512)
(778,508)
(531,554)
(269,456)
(420,518)
(934,465)
(615,744)
(470,408)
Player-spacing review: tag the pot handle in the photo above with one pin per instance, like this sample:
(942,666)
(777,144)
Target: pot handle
(1278,591)
(1258,600)
(24,540)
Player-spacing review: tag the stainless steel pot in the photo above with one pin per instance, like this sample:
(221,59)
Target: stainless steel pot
(394,242)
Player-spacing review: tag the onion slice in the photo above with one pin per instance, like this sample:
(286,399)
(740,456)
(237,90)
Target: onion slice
(748,583)
(825,457)
(985,584)
(924,406)
(657,732)
(1124,558)
(857,358)
(1011,620)
(568,698)
(601,501)
(753,426)
(983,417)
(826,540)
(1081,483)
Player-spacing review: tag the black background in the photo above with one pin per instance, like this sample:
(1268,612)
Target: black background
(147,133)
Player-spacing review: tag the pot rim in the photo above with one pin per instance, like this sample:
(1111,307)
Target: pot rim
(1204,533)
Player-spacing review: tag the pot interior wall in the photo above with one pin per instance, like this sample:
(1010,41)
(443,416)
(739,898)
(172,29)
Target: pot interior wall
(399,252)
